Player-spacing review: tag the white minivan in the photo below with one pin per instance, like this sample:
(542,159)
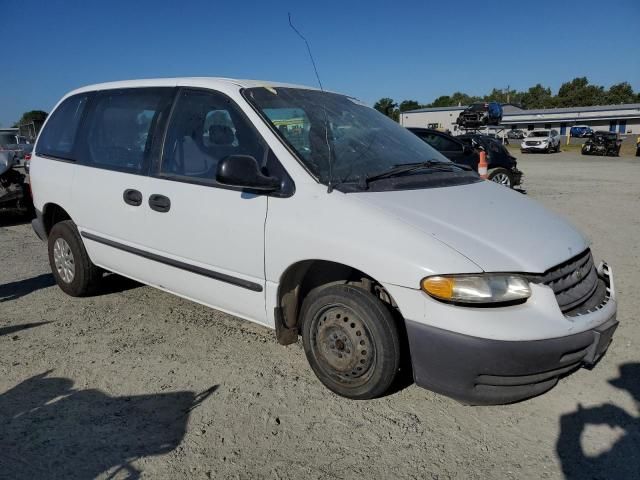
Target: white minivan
(314,215)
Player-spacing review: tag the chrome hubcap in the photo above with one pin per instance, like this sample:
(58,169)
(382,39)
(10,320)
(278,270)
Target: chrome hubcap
(63,259)
(343,344)
(502,179)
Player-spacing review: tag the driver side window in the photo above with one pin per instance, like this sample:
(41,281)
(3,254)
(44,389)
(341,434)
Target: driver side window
(205,128)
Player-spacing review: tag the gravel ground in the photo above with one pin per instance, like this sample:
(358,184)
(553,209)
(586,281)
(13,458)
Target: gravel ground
(139,383)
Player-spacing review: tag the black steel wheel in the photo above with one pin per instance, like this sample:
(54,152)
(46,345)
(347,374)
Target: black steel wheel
(350,340)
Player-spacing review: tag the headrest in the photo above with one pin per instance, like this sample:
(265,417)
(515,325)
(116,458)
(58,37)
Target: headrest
(221,135)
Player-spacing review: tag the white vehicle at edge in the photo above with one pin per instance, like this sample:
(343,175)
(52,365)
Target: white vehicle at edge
(314,215)
(541,141)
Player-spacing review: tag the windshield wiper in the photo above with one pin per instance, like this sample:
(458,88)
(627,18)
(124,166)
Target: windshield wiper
(403,169)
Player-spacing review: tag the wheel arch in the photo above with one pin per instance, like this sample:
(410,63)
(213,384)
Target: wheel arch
(53,213)
(302,277)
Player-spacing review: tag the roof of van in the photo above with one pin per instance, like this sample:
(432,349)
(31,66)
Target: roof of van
(211,82)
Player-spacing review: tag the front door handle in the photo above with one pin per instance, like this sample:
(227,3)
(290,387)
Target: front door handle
(132,197)
(159,203)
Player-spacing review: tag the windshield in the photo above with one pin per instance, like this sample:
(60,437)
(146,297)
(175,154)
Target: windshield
(542,133)
(324,128)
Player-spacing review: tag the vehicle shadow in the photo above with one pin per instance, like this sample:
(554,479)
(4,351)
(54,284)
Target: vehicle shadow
(51,430)
(11,219)
(20,288)
(622,460)
(113,283)
(16,328)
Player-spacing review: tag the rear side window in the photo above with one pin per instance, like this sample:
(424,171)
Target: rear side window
(58,137)
(440,143)
(120,128)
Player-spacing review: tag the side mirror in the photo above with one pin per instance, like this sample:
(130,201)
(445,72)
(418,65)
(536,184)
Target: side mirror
(467,149)
(244,171)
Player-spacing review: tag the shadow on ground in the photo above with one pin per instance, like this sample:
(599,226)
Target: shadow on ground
(111,283)
(622,460)
(10,219)
(16,328)
(20,288)
(51,430)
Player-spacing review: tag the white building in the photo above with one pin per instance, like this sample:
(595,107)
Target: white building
(623,118)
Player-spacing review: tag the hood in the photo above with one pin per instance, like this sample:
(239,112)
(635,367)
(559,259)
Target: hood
(498,229)
(535,139)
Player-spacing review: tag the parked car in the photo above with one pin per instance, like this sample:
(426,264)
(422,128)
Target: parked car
(14,190)
(10,140)
(356,235)
(480,114)
(581,131)
(515,134)
(603,143)
(547,141)
(464,149)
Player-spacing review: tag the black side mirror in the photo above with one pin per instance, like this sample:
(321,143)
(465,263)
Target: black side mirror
(244,171)
(467,149)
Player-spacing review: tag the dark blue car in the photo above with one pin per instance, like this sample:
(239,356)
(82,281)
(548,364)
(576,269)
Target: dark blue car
(581,131)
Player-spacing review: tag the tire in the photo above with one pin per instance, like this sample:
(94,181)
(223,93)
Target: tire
(501,176)
(351,341)
(70,264)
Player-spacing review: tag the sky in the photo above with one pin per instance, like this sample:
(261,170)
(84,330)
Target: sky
(367,49)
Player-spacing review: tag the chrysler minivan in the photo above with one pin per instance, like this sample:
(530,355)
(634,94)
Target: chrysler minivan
(312,214)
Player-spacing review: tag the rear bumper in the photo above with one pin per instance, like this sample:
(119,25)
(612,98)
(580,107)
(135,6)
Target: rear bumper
(38,226)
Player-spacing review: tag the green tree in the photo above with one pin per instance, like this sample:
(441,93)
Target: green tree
(537,97)
(579,93)
(442,101)
(388,107)
(621,93)
(36,116)
(407,105)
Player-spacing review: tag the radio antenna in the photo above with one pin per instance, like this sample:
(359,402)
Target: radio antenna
(315,69)
(326,119)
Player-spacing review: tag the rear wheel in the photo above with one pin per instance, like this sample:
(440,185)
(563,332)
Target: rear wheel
(501,176)
(350,340)
(70,263)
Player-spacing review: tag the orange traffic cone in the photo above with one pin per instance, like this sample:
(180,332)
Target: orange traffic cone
(483,166)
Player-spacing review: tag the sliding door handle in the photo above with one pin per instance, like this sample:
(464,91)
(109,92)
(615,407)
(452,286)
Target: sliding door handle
(132,197)
(159,203)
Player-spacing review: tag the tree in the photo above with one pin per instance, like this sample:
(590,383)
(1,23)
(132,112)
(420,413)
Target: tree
(388,107)
(537,97)
(578,93)
(621,93)
(442,101)
(36,116)
(407,105)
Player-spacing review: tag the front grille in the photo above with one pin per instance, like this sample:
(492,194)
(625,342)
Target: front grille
(532,143)
(575,282)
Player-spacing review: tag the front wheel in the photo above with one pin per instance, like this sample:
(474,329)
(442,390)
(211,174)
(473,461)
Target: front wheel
(501,176)
(351,341)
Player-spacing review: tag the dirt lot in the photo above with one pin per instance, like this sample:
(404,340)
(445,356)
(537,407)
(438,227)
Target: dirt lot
(138,383)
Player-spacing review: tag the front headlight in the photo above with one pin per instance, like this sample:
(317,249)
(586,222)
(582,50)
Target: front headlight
(477,289)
